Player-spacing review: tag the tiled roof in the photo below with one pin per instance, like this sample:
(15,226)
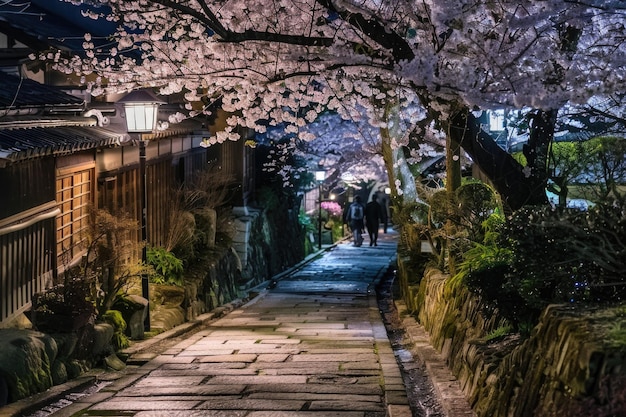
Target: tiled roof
(16,93)
(31,142)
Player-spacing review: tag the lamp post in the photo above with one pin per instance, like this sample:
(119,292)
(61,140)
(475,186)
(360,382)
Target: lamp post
(141,110)
(320,176)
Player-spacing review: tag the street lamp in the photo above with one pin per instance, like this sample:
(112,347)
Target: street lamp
(320,176)
(141,110)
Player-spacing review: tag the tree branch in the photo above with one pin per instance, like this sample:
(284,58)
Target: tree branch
(401,50)
(503,170)
(211,21)
(255,35)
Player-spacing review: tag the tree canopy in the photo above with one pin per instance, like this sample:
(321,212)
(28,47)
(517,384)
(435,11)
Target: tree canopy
(287,61)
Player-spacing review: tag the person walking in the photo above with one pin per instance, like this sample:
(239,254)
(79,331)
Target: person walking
(356,212)
(373,216)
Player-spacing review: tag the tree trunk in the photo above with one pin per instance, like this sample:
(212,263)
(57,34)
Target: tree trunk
(537,149)
(395,163)
(388,158)
(516,186)
(453,182)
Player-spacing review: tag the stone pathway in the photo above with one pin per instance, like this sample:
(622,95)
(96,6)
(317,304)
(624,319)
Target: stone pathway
(312,345)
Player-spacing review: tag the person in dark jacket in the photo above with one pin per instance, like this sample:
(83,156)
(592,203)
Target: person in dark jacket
(373,216)
(354,218)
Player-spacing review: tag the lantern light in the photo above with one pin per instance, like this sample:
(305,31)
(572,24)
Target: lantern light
(141,108)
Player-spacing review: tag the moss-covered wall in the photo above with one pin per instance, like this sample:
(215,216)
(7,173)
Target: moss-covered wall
(32,361)
(274,243)
(573,363)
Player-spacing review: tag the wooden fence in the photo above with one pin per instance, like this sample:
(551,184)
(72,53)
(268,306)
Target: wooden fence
(27,261)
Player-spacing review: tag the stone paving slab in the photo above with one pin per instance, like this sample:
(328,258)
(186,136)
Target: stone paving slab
(312,346)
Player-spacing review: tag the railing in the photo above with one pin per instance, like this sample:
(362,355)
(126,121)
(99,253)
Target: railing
(27,261)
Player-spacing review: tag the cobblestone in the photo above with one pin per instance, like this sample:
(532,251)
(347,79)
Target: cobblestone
(311,345)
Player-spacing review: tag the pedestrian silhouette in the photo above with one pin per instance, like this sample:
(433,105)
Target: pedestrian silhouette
(356,212)
(373,216)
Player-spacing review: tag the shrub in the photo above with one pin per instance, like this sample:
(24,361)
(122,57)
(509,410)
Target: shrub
(484,269)
(72,298)
(64,307)
(543,255)
(168,268)
(106,265)
(475,203)
(568,255)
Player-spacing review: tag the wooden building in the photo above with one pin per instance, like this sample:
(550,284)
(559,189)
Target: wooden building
(55,164)
(61,153)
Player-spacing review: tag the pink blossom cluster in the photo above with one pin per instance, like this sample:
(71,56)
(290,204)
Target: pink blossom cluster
(332,207)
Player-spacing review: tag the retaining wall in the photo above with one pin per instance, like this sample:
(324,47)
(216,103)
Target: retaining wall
(572,364)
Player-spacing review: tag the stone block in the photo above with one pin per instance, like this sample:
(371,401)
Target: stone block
(25,360)
(134,310)
(102,335)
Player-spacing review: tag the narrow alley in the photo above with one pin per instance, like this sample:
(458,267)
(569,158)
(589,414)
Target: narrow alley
(312,343)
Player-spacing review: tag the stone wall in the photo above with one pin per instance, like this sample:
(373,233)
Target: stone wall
(273,242)
(572,364)
(32,361)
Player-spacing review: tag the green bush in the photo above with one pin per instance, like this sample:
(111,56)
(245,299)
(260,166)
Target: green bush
(309,227)
(543,255)
(168,268)
(475,203)
(484,269)
(568,255)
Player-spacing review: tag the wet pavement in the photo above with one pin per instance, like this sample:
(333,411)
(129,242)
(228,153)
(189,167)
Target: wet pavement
(312,343)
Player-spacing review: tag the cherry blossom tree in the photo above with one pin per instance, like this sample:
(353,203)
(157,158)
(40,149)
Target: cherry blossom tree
(287,61)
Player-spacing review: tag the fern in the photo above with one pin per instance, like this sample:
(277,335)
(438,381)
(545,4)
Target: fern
(169,269)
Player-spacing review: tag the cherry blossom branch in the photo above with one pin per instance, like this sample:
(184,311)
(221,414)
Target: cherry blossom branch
(401,50)
(208,18)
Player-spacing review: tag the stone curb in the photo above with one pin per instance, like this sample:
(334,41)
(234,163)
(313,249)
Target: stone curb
(446,386)
(33,403)
(396,398)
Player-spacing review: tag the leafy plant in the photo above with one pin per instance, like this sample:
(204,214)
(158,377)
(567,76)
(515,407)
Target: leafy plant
(475,203)
(479,260)
(450,222)
(168,268)
(306,222)
(484,264)
(309,228)
(498,333)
